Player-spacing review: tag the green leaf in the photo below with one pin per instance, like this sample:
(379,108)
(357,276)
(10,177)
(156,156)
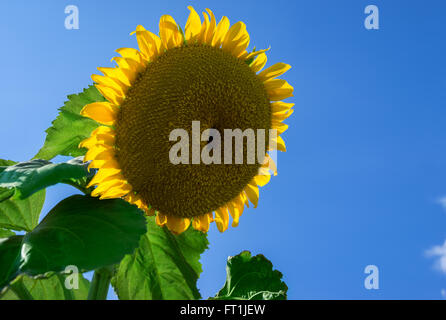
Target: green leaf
(50,288)
(21,214)
(70,128)
(4,192)
(85,232)
(5,233)
(164,267)
(18,214)
(9,259)
(252,278)
(6,163)
(29,177)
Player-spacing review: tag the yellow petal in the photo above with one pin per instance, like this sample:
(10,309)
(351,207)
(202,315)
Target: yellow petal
(204,27)
(244,199)
(220,32)
(278,89)
(149,43)
(252,191)
(161,219)
(157,45)
(108,154)
(105,175)
(105,141)
(281,116)
(104,186)
(144,42)
(277,144)
(128,64)
(170,34)
(121,62)
(274,71)
(131,59)
(236,39)
(110,94)
(197,225)
(93,151)
(117,74)
(235,209)
(135,66)
(193,25)
(100,136)
(103,130)
(259,62)
(117,179)
(253,54)
(103,164)
(106,137)
(235,33)
(280,106)
(281,144)
(262,178)
(116,192)
(279,126)
(269,164)
(222,219)
(177,225)
(102,112)
(240,49)
(201,223)
(130,53)
(118,86)
(136,200)
(211,28)
(263,171)
(87,143)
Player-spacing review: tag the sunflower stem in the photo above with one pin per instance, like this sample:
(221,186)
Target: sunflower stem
(79,187)
(21,291)
(100,283)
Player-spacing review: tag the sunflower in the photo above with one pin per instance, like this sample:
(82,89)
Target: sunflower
(204,73)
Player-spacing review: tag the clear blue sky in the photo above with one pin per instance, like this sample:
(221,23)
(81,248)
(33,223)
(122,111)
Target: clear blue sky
(366,160)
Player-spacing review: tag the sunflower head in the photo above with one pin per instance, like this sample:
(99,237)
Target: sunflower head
(204,75)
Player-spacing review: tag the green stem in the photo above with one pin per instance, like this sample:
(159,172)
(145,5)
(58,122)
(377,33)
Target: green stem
(20,290)
(78,187)
(100,283)
(68,293)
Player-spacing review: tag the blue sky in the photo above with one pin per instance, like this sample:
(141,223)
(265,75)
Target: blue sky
(366,161)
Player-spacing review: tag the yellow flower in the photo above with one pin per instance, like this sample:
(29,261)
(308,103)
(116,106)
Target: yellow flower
(205,74)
